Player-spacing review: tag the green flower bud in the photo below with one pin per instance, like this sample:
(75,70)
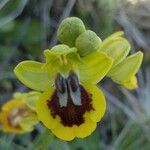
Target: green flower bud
(69,29)
(87,42)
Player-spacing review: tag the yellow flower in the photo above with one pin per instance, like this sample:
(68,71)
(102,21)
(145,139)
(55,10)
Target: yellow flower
(16,116)
(71,104)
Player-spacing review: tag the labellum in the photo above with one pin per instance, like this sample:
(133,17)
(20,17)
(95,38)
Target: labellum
(70,100)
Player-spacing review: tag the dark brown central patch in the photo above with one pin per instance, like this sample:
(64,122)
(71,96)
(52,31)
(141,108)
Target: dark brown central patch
(71,114)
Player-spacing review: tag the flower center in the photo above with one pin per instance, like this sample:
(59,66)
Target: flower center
(16,114)
(70,100)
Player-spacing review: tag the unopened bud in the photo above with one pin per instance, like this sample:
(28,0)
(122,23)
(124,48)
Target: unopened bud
(69,29)
(87,42)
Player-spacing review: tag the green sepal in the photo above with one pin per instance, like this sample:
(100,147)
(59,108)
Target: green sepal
(124,71)
(94,67)
(34,75)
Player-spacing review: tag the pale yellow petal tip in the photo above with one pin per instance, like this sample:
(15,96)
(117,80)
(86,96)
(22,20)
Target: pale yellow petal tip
(117,34)
(131,84)
(141,55)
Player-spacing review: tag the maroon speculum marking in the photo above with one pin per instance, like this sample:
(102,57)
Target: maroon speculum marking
(73,112)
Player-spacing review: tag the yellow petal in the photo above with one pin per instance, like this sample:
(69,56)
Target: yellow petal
(86,128)
(98,102)
(126,69)
(64,133)
(116,34)
(11,104)
(33,75)
(44,113)
(94,67)
(115,47)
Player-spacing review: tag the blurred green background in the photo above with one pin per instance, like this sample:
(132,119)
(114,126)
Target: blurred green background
(27,27)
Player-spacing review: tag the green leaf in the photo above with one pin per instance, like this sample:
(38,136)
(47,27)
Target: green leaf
(33,75)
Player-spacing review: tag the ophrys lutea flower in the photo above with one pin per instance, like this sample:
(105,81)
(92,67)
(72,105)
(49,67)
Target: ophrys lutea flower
(17,115)
(71,104)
